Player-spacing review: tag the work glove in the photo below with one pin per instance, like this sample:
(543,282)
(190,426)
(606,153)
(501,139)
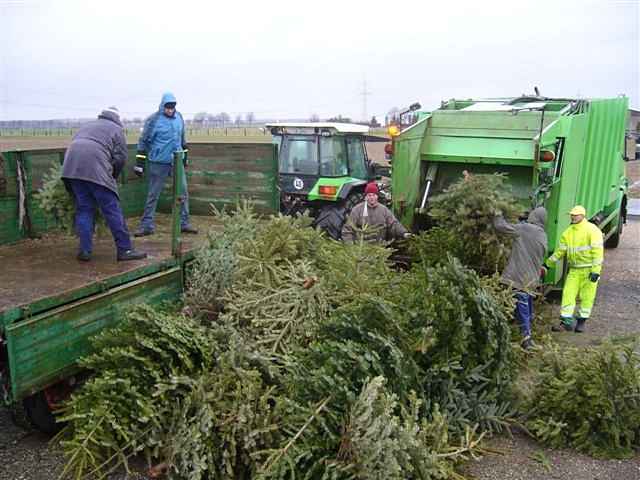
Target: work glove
(185,157)
(594,277)
(408,235)
(141,158)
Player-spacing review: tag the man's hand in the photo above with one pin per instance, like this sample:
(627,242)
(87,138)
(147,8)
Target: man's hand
(141,158)
(594,277)
(543,271)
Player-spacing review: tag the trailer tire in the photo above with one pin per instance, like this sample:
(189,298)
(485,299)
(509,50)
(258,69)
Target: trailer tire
(330,219)
(614,240)
(40,415)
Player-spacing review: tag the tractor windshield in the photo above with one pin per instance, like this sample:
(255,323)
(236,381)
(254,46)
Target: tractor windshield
(333,158)
(299,155)
(357,159)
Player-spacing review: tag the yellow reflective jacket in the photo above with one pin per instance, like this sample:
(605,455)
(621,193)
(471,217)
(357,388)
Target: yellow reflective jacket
(582,244)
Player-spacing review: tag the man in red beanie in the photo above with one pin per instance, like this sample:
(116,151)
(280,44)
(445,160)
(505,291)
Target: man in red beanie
(372,221)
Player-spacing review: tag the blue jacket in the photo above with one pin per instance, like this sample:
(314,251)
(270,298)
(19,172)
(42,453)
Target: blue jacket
(162,135)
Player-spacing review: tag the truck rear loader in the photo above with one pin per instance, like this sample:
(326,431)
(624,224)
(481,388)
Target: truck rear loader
(556,152)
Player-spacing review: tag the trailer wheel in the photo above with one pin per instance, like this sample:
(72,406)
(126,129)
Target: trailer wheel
(614,240)
(37,410)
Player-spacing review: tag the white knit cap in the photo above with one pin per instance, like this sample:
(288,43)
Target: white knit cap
(113,110)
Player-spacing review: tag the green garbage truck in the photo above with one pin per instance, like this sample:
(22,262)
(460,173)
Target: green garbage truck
(51,304)
(557,152)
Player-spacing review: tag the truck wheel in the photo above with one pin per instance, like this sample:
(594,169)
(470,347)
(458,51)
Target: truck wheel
(330,218)
(39,414)
(614,240)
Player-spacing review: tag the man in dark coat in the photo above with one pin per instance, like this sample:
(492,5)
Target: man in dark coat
(91,166)
(372,221)
(522,272)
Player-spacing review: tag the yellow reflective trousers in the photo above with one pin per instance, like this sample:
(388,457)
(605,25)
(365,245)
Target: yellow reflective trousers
(578,284)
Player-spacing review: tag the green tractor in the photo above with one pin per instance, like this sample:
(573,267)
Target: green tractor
(323,169)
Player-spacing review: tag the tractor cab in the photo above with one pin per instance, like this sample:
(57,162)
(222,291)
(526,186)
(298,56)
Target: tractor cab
(322,166)
(321,162)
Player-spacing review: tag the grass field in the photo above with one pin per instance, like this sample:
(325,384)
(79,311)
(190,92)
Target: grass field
(37,142)
(375,150)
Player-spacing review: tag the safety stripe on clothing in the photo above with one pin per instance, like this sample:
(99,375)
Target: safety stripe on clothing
(597,245)
(580,249)
(566,311)
(562,247)
(584,265)
(584,312)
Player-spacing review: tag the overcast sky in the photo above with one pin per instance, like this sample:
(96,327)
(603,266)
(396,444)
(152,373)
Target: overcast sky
(284,59)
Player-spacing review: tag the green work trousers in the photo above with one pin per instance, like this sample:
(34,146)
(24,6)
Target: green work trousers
(576,285)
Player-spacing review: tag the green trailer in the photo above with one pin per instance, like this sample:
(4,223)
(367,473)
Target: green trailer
(556,153)
(51,304)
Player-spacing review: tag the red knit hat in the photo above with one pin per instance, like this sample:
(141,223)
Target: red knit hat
(371,188)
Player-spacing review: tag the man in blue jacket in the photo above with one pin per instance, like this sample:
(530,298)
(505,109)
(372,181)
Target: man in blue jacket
(91,166)
(162,136)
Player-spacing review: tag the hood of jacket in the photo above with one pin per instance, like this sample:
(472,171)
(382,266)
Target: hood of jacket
(538,216)
(107,115)
(167,97)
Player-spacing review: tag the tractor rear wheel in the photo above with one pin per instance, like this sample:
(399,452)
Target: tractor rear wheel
(352,200)
(330,218)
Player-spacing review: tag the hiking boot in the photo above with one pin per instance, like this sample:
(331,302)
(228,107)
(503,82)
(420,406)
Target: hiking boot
(189,229)
(83,256)
(131,255)
(142,232)
(562,327)
(580,325)
(527,343)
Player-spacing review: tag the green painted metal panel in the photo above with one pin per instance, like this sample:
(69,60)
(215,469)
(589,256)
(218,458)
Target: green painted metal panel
(224,173)
(496,151)
(489,124)
(43,349)
(37,163)
(338,182)
(219,174)
(407,170)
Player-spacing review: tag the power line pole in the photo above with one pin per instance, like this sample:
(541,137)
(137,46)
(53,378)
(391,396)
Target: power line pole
(365,93)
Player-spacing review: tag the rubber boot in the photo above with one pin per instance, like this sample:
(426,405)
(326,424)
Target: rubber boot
(131,255)
(566,325)
(580,325)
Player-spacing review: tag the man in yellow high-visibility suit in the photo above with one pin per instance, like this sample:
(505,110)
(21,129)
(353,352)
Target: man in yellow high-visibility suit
(582,244)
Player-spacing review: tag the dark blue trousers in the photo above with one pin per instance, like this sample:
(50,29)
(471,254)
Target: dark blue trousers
(88,196)
(524,312)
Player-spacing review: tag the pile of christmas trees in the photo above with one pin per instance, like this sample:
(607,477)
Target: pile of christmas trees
(299,357)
